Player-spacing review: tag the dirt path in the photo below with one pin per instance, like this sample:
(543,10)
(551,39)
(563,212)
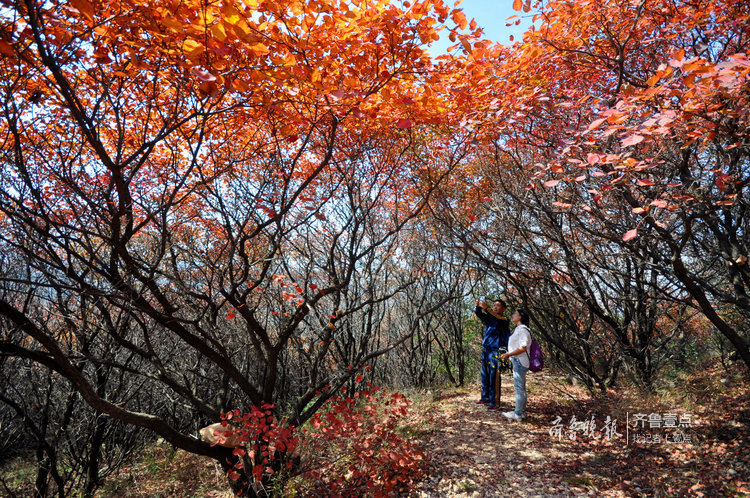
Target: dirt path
(476,452)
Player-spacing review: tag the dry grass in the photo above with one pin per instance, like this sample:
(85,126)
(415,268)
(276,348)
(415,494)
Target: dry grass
(162,471)
(159,471)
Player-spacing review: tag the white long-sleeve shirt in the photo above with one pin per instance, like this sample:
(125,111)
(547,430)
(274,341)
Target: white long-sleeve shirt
(519,338)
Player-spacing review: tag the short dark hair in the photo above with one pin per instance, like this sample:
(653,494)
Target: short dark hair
(498,300)
(524,316)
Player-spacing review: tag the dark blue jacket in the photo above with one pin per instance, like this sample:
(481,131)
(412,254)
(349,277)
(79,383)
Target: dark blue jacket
(496,330)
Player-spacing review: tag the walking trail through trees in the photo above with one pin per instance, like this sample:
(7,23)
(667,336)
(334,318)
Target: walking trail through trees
(479,453)
(472,452)
(476,452)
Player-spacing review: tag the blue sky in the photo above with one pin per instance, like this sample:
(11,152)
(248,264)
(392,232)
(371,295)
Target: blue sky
(490,15)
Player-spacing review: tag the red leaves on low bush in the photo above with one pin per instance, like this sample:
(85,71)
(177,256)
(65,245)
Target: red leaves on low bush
(360,449)
(354,440)
(265,445)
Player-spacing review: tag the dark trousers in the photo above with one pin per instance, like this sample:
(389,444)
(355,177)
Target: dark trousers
(490,375)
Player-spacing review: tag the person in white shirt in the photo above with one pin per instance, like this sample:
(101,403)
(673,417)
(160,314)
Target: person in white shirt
(518,345)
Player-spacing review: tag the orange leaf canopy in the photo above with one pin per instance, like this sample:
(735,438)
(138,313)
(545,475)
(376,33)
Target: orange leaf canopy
(613,87)
(171,95)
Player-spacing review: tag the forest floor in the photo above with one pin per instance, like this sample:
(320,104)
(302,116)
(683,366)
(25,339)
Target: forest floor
(566,448)
(563,448)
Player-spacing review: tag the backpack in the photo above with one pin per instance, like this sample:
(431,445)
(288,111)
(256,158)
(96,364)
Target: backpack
(536,357)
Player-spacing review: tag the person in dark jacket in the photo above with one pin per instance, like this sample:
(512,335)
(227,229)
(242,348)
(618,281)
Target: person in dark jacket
(494,342)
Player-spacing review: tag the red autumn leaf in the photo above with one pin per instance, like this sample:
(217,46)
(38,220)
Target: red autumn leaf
(101,55)
(721,182)
(6,48)
(596,123)
(677,63)
(230,315)
(644,183)
(630,234)
(84,7)
(203,76)
(403,123)
(632,140)
(459,18)
(551,183)
(517,4)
